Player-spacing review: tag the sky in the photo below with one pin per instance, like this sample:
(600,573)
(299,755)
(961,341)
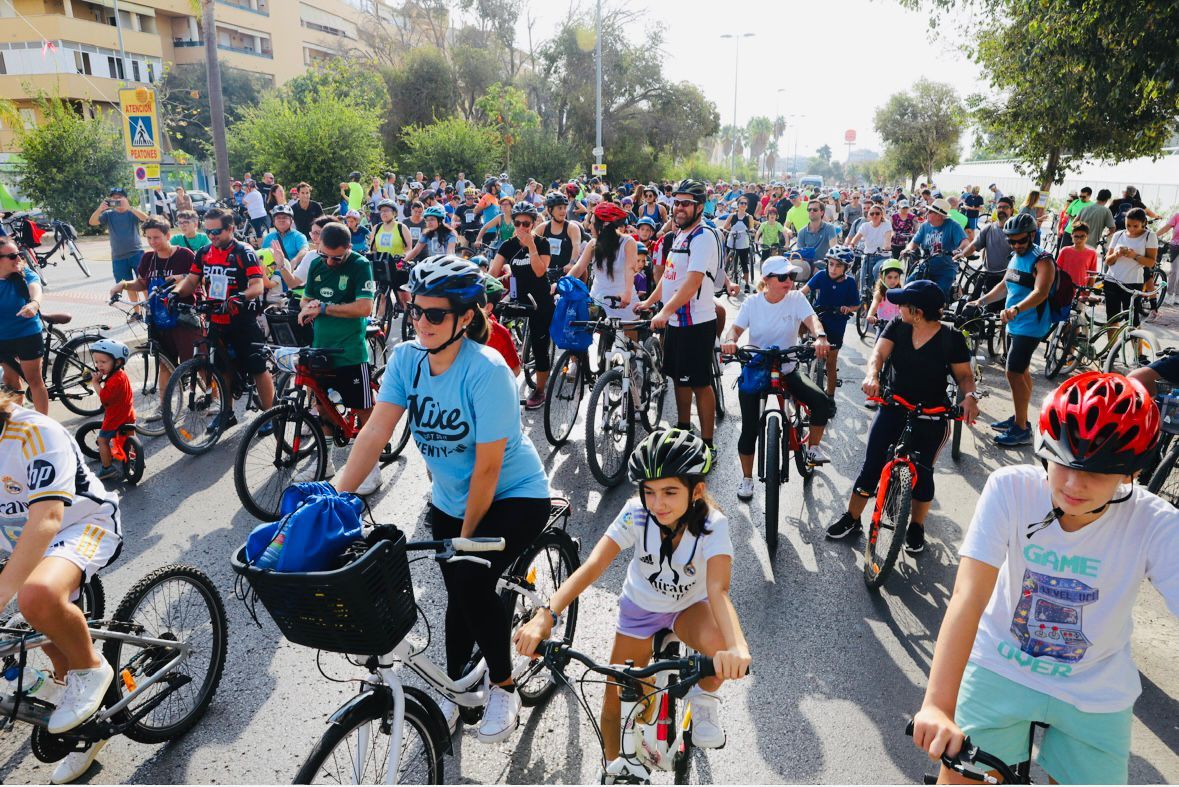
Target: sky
(869,49)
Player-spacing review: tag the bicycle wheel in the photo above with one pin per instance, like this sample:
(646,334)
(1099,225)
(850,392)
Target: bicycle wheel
(529,584)
(265,465)
(134,466)
(196,405)
(76,254)
(176,603)
(144,369)
(1055,349)
(562,397)
(1129,353)
(886,535)
(800,423)
(71,375)
(956,441)
(87,439)
(609,429)
(652,394)
(408,334)
(355,748)
(772,439)
(718,386)
(862,320)
(1165,440)
(1164,481)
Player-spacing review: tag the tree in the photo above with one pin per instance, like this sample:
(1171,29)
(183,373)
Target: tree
(495,21)
(538,154)
(922,128)
(452,145)
(68,162)
(421,90)
(319,140)
(824,153)
(505,109)
(758,129)
(476,68)
(216,94)
(185,108)
(347,78)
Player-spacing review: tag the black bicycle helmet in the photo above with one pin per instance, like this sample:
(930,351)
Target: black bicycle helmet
(490,183)
(669,453)
(524,209)
(1020,224)
(692,187)
(554,199)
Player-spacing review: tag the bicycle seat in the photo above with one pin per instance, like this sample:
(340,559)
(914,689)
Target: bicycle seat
(57,318)
(372,329)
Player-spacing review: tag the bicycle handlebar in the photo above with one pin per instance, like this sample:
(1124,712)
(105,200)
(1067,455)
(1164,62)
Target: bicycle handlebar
(450,550)
(970,754)
(953,413)
(693,668)
(747,353)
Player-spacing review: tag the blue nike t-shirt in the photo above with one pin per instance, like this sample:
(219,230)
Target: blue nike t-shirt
(474,401)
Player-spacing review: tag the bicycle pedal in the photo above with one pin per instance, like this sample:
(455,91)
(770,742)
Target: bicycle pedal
(838,382)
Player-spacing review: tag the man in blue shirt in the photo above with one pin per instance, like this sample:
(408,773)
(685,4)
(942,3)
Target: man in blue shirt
(941,239)
(816,237)
(284,232)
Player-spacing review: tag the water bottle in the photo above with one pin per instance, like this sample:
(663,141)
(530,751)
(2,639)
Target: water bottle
(273,551)
(512,288)
(35,682)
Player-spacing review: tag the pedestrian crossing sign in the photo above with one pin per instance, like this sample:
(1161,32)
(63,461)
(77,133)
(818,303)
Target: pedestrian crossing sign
(141,136)
(140,125)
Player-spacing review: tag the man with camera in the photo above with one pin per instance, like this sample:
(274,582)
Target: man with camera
(122,220)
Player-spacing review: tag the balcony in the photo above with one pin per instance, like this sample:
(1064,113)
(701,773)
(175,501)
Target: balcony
(239,49)
(56,27)
(263,8)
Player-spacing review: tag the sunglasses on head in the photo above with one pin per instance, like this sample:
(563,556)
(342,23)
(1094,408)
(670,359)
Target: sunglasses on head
(433,316)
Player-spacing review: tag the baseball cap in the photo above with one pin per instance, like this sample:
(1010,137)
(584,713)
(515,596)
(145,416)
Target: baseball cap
(903,203)
(922,294)
(118,192)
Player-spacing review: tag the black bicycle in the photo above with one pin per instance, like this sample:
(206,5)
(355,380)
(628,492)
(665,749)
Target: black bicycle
(980,766)
(65,243)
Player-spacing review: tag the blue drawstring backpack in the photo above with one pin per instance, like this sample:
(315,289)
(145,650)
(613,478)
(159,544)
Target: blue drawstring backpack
(318,524)
(159,313)
(755,375)
(573,304)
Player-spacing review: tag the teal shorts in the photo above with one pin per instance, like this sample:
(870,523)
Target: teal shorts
(1077,747)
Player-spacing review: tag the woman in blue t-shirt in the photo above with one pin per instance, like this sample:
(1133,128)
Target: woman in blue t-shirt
(22,343)
(487,477)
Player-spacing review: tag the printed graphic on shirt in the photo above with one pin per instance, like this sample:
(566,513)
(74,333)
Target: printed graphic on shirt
(435,426)
(1047,619)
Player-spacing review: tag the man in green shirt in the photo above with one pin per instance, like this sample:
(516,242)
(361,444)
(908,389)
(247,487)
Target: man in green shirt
(1073,210)
(796,217)
(353,192)
(957,216)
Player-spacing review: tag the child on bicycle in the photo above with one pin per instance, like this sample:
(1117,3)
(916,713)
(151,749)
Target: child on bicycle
(1038,627)
(678,579)
(836,297)
(769,235)
(882,310)
(114,392)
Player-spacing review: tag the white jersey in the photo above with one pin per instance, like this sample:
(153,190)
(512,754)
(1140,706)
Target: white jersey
(615,286)
(39,460)
(698,250)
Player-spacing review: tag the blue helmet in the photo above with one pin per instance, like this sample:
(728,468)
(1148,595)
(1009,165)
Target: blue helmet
(448,276)
(842,254)
(647,221)
(435,211)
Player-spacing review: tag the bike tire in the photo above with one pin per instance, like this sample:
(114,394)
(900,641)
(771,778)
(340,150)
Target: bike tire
(558,559)
(609,417)
(1164,481)
(862,321)
(1054,351)
(956,441)
(134,466)
(266,465)
(653,394)
(417,727)
(143,368)
(1124,358)
(76,254)
(408,334)
(138,666)
(773,470)
(71,375)
(562,397)
(87,439)
(190,406)
(1165,441)
(718,386)
(879,556)
(801,424)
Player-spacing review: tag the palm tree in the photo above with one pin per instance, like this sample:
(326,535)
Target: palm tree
(779,126)
(771,157)
(758,130)
(728,136)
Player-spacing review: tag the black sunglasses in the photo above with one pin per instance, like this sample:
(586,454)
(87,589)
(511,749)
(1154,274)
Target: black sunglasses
(212,232)
(433,316)
(335,257)
(9,257)
(1019,241)
(781,276)
(683,203)
(522,223)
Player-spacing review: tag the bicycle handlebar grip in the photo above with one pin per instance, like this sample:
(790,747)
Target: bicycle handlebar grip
(478,544)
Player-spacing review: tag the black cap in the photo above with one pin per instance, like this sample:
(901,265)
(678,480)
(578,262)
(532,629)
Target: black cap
(118,192)
(922,294)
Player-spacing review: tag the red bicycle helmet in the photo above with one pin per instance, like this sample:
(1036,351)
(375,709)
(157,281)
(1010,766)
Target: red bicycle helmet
(1099,423)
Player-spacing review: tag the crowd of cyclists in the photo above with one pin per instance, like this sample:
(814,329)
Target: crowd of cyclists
(799,264)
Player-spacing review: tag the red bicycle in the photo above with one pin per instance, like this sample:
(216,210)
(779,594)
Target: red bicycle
(296,447)
(894,494)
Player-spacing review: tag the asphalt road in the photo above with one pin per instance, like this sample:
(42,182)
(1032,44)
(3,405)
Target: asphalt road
(838,670)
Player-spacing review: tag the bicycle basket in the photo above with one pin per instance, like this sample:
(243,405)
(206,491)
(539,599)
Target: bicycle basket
(285,329)
(364,609)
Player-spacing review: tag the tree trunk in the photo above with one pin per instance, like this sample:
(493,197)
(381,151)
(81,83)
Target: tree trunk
(1048,173)
(216,99)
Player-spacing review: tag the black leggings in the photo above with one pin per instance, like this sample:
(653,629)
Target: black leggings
(803,389)
(474,613)
(538,335)
(742,257)
(928,439)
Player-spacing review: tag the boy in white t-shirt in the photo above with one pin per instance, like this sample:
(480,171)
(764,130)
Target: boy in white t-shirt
(678,579)
(1038,627)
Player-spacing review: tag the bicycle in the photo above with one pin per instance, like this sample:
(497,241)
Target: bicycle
(197,407)
(894,494)
(1075,342)
(782,431)
(967,324)
(631,389)
(126,449)
(391,732)
(817,367)
(66,365)
(289,441)
(1161,478)
(167,642)
(571,375)
(516,316)
(145,366)
(997,772)
(65,241)
(653,736)
(391,299)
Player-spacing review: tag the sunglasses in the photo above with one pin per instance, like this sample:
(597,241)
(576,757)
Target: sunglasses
(683,203)
(781,276)
(522,223)
(9,256)
(1020,241)
(433,316)
(335,257)
(212,232)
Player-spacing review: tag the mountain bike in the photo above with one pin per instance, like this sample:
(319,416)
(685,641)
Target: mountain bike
(392,732)
(632,389)
(980,766)
(516,316)
(126,449)
(167,643)
(1161,477)
(65,243)
(894,493)
(1136,345)
(289,442)
(972,324)
(654,735)
(1116,344)
(390,307)
(782,431)
(66,365)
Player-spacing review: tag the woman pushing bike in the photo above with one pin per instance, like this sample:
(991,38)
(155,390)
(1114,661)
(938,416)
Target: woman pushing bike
(914,357)
(677,578)
(487,476)
(1037,630)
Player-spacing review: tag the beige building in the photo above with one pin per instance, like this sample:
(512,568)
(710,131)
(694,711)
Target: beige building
(71,47)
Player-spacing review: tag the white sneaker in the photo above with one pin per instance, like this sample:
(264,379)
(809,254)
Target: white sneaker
(308,473)
(371,482)
(745,489)
(82,698)
(707,730)
(76,764)
(816,455)
(501,715)
(450,712)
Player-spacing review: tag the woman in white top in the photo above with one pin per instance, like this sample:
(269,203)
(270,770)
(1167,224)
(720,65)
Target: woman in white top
(614,254)
(877,239)
(1130,252)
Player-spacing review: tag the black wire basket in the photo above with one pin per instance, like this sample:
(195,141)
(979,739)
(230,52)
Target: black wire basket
(365,608)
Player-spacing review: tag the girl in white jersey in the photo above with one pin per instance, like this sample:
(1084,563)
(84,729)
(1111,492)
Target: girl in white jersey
(1038,627)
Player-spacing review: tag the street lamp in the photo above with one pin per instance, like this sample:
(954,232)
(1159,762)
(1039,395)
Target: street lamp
(598,149)
(736,64)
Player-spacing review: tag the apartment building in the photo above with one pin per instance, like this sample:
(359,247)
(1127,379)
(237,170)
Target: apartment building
(72,48)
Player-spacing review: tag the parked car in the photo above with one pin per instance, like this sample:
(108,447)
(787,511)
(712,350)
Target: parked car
(201,201)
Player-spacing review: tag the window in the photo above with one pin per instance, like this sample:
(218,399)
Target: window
(29,118)
(116,68)
(3,66)
(82,62)
(151,72)
(135,71)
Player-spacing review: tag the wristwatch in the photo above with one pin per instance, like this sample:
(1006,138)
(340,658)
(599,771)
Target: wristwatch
(322,309)
(975,395)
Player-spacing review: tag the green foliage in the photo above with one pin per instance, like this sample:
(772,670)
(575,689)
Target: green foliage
(184,103)
(348,79)
(921,129)
(68,163)
(452,145)
(505,109)
(699,166)
(421,89)
(538,154)
(319,141)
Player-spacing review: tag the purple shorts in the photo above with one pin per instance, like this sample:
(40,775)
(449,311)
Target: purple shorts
(634,621)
